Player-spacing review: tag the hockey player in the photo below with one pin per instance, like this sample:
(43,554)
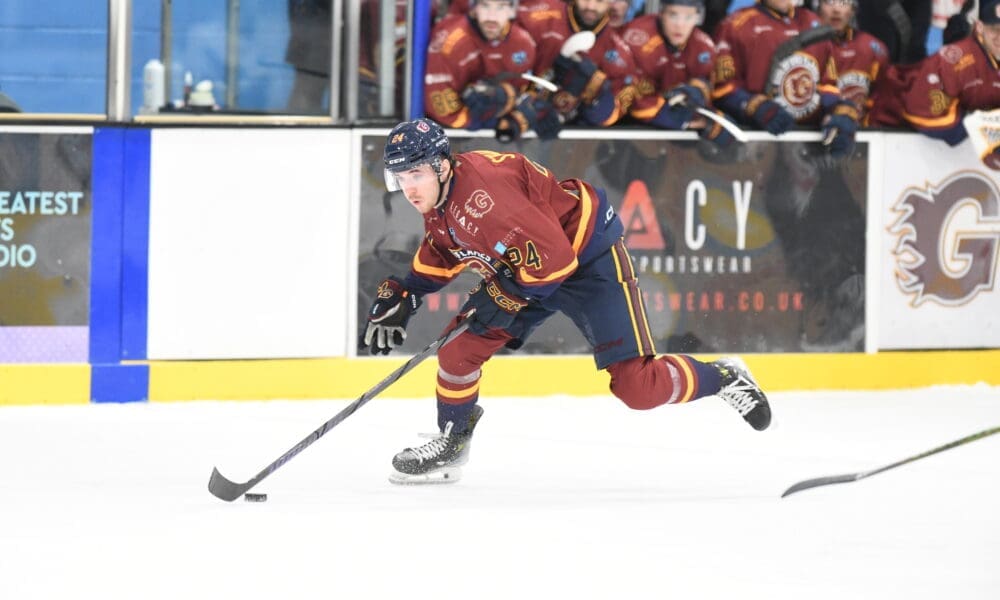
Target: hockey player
(596,84)
(674,62)
(935,94)
(858,57)
(471,78)
(541,245)
(804,90)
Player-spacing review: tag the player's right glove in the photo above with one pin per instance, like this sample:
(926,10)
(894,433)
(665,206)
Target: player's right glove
(518,121)
(717,134)
(686,94)
(496,301)
(768,114)
(388,316)
(839,129)
(488,100)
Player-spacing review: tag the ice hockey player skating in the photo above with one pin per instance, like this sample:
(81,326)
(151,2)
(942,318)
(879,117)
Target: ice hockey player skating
(541,245)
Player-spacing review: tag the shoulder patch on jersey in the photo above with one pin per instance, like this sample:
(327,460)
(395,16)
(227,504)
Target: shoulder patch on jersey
(877,48)
(636,37)
(519,57)
(612,56)
(950,53)
(704,57)
(437,42)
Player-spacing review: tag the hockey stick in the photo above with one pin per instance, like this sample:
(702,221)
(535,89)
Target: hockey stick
(738,134)
(228,490)
(849,477)
(793,45)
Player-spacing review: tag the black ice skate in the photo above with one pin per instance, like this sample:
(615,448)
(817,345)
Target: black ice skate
(439,460)
(740,391)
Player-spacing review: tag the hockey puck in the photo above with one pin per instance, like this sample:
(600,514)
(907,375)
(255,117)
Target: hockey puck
(255,497)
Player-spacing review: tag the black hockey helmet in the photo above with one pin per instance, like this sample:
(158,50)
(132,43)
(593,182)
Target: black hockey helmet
(411,144)
(699,4)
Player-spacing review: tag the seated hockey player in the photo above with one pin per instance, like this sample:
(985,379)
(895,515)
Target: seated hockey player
(675,61)
(800,90)
(541,245)
(934,95)
(471,81)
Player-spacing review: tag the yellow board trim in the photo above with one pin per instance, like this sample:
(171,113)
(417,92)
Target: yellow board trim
(525,375)
(44,384)
(521,375)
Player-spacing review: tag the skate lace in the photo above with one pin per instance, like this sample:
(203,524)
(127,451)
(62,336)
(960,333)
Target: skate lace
(739,395)
(439,441)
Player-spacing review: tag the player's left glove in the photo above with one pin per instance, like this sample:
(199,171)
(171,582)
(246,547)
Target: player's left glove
(580,78)
(839,129)
(518,121)
(496,301)
(388,316)
(550,120)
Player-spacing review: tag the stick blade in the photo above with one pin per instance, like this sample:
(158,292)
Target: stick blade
(222,488)
(820,481)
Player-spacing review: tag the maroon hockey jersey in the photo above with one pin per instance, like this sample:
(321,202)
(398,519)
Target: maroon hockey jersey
(551,22)
(504,208)
(458,55)
(934,95)
(858,60)
(661,67)
(746,41)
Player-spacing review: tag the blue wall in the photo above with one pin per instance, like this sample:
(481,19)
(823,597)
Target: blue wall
(53,53)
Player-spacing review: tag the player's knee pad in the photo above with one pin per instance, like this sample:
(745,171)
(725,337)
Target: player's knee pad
(637,383)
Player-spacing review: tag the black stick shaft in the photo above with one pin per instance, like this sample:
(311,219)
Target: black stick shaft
(849,477)
(227,490)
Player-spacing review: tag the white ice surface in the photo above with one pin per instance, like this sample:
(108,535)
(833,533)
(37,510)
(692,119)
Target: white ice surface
(563,498)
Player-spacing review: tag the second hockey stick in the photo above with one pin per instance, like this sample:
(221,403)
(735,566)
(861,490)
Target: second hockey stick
(227,490)
(849,477)
(738,134)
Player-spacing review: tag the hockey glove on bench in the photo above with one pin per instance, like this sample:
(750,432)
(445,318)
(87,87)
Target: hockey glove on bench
(496,302)
(388,316)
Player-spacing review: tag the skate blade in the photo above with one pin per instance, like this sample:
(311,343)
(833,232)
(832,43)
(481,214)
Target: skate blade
(439,476)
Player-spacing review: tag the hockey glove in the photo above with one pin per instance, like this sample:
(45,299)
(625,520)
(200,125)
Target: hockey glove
(676,116)
(580,78)
(487,101)
(518,121)
(388,316)
(768,114)
(496,301)
(550,120)
(686,94)
(717,134)
(839,128)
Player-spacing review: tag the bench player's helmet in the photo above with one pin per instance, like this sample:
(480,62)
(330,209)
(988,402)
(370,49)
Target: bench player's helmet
(411,144)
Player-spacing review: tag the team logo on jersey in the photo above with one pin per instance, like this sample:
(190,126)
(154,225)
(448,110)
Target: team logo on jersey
(796,79)
(948,239)
(478,204)
(854,85)
(519,57)
(464,221)
(613,57)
